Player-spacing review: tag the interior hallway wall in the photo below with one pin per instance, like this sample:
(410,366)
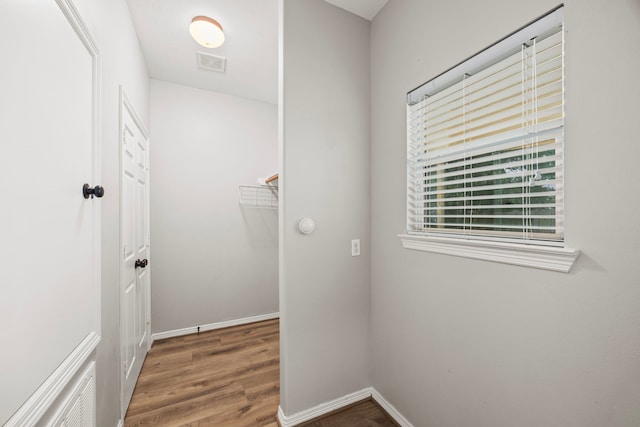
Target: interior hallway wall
(212,260)
(460,342)
(122,63)
(325,160)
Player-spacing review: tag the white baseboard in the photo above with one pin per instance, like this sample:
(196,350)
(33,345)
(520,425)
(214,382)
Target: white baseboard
(308,414)
(322,409)
(212,326)
(342,402)
(391,410)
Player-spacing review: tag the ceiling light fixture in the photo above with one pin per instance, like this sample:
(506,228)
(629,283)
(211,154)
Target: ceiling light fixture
(206,31)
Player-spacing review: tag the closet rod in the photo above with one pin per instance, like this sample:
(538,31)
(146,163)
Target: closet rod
(271,179)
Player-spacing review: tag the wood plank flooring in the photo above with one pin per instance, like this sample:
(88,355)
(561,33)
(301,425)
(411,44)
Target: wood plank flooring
(224,378)
(362,414)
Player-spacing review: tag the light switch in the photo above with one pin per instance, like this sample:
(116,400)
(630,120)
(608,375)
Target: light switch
(355,247)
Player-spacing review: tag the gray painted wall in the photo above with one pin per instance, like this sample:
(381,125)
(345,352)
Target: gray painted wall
(212,259)
(325,175)
(459,342)
(122,64)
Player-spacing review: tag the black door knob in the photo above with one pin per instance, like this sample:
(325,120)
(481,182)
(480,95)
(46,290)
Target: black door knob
(142,263)
(97,191)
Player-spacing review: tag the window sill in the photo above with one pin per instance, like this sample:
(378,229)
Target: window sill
(543,257)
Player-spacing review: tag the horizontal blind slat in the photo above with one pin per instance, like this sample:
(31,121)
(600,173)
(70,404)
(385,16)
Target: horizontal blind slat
(509,160)
(508,140)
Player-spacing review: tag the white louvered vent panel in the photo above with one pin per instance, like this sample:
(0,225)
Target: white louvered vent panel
(89,403)
(79,409)
(74,418)
(209,62)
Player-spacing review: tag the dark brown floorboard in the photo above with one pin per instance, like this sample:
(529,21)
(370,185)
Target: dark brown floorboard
(362,414)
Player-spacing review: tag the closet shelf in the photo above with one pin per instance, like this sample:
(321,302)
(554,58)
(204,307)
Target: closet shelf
(260,196)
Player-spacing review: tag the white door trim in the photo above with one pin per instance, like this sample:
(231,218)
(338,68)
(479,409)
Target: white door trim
(77,23)
(125,104)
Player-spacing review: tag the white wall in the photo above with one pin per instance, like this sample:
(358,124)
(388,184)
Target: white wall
(211,259)
(122,64)
(325,163)
(459,342)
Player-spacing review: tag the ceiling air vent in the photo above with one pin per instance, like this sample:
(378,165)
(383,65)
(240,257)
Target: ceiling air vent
(211,62)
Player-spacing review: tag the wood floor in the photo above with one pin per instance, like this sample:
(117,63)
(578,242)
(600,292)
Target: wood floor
(362,414)
(227,377)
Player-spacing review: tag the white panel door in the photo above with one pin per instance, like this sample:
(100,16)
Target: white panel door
(49,233)
(135,291)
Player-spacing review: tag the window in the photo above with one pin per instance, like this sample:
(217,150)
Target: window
(485,144)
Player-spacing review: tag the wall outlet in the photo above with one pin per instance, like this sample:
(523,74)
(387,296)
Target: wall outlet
(355,247)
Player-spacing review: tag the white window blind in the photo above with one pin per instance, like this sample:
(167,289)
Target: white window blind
(485,154)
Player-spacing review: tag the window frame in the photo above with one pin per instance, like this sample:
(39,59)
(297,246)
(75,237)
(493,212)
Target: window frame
(538,253)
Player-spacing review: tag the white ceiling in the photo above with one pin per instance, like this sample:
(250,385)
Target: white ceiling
(251,45)
(368,9)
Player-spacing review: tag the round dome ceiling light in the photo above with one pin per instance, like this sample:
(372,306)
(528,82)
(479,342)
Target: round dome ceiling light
(206,31)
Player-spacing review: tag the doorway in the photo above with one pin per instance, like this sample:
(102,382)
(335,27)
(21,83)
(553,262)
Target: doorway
(135,321)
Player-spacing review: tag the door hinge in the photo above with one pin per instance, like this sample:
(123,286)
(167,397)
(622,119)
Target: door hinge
(125,368)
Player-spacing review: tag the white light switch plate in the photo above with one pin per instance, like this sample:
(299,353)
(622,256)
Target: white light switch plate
(355,247)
